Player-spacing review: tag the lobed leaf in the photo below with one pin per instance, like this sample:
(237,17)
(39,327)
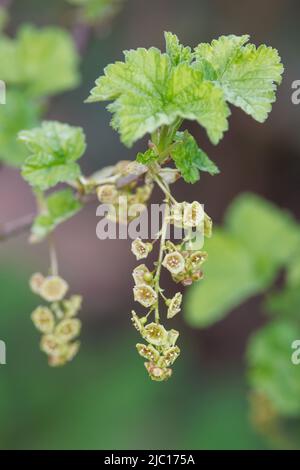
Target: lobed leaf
(247,75)
(149,92)
(190,159)
(54,148)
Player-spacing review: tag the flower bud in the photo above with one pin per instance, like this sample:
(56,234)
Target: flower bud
(36,282)
(72,305)
(139,274)
(156,373)
(107,194)
(175,305)
(208,224)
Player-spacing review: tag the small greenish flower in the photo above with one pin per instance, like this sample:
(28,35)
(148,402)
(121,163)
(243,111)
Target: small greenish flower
(43,319)
(169,356)
(107,194)
(174,262)
(140,249)
(141,275)
(156,373)
(72,305)
(208,224)
(148,352)
(193,214)
(137,322)
(51,345)
(145,295)
(155,334)
(53,289)
(172,337)
(36,282)
(68,329)
(197,259)
(174,305)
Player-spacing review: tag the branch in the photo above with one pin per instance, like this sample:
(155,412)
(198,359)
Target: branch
(16,227)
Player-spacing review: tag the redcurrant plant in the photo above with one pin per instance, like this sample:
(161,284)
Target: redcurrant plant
(151,93)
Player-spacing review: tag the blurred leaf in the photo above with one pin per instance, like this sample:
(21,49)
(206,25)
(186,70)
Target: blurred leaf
(97,10)
(190,159)
(54,148)
(61,206)
(293,271)
(271,371)
(18,113)
(267,232)
(243,259)
(231,276)
(286,303)
(43,60)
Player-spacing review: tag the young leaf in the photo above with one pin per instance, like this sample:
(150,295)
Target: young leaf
(247,75)
(176,51)
(190,159)
(61,206)
(149,92)
(44,61)
(271,371)
(285,303)
(54,148)
(267,232)
(19,113)
(147,158)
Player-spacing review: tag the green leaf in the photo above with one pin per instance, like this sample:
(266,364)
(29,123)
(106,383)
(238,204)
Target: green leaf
(271,370)
(176,51)
(247,75)
(269,234)
(285,303)
(147,158)
(54,148)
(61,206)
(189,158)
(44,61)
(18,113)
(230,278)
(149,92)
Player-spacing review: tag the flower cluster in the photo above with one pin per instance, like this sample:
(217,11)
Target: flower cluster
(126,195)
(56,321)
(184,265)
(160,350)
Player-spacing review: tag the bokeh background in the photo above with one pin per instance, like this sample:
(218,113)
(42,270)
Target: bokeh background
(104,399)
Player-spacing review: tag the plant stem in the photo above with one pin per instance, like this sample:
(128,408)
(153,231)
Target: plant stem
(53,257)
(160,257)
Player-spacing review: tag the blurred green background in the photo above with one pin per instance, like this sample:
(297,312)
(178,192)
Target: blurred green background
(104,399)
